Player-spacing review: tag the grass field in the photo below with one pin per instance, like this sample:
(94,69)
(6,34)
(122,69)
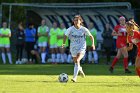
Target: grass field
(44,79)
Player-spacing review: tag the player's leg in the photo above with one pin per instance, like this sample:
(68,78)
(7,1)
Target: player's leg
(17,53)
(43,52)
(58,55)
(7,47)
(137,65)
(95,54)
(115,60)
(89,55)
(77,66)
(52,54)
(27,48)
(3,54)
(125,60)
(62,50)
(69,58)
(21,47)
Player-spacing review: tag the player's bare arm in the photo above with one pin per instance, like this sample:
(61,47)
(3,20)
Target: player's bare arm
(114,33)
(130,47)
(92,39)
(2,35)
(64,40)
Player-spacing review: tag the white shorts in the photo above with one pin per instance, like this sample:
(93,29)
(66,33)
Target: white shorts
(77,49)
(74,54)
(5,45)
(43,44)
(53,46)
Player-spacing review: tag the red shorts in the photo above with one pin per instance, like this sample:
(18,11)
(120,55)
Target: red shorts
(120,44)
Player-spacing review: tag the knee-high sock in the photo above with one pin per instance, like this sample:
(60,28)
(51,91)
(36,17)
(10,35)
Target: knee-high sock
(53,58)
(114,62)
(81,70)
(125,62)
(65,57)
(84,58)
(138,71)
(89,56)
(62,58)
(76,70)
(43,56)
(95,56)
(3,58)
(58,58)
(9,57)
(69,58)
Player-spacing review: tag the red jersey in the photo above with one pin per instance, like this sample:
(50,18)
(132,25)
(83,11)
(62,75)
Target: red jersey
(131,39)
(121,40)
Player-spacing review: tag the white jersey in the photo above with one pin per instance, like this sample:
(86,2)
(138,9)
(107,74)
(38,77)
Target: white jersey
(77,39)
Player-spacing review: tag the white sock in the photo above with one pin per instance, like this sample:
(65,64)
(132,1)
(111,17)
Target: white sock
(69,58)
(9,57)
(76,70)
(58,58)
(65,57)
(53,57)
(84,58)
(62,58)
(90,56)
(95,56)
(81,70)
(3,58)
(43,56)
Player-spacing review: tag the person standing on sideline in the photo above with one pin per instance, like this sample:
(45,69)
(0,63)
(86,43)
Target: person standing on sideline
(43,31)
(77,35)
(30,34)
(121,43)
(53,43)
(5,34)
(93,31)
(19,42)
(107,42)
(60,37)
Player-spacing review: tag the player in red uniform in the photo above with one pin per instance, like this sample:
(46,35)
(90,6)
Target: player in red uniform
(120,32)
(134,38)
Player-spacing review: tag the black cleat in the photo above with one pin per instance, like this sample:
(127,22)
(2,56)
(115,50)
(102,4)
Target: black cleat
(127,71)
(111,69)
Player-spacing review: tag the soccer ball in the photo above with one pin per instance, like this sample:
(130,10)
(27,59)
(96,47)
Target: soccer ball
(63,77)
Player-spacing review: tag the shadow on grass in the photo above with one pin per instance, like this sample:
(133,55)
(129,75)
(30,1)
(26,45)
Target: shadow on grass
(49,69)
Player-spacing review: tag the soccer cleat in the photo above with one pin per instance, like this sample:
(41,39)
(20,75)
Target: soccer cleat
(73,80)
(111,69)
(127,71)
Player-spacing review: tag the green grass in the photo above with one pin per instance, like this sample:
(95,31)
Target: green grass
(44,79)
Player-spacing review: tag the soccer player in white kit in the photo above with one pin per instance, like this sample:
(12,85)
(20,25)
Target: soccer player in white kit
(77,35)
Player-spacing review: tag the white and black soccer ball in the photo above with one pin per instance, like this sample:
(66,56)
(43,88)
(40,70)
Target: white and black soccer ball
(63,77)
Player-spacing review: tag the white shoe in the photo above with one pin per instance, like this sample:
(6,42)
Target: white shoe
(130,64)
(17,62)
(73,80)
